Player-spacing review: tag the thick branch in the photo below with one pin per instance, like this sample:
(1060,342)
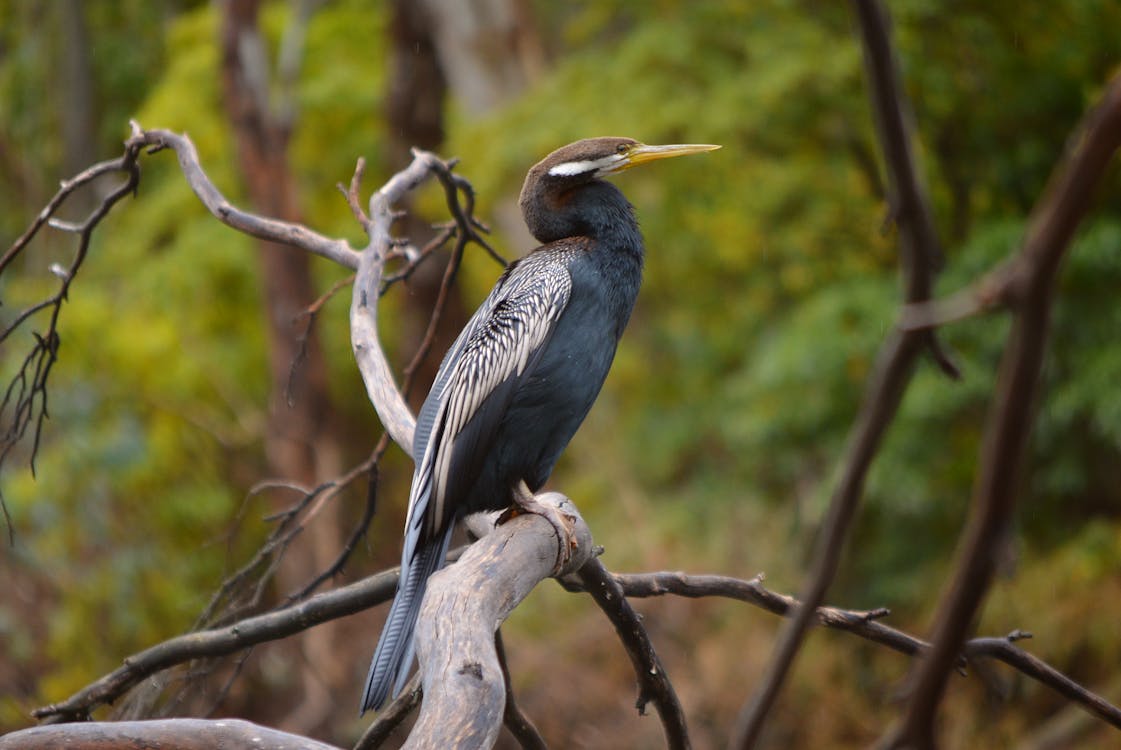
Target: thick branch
(381,386)
(165,734)
(464,686)
(1032,277)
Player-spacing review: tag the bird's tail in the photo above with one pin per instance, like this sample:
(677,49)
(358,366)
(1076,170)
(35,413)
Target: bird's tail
(394,654)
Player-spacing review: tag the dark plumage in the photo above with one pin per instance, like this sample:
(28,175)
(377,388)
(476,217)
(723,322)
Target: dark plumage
(524,372)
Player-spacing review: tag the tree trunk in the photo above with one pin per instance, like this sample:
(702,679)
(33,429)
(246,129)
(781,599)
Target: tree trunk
(301,444)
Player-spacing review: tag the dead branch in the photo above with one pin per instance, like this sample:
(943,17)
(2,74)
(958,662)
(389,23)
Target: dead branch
(1031,279)
(464,687)
(274,230)
(26,394)
(166,734)
(920,255)
(868,625)
(390,405)
(222,641)
(653,682)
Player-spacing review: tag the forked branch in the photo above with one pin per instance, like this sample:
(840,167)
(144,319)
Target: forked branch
(1030,281)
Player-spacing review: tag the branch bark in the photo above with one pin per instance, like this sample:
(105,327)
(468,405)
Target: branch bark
(653,682)
(464,686)
(164,734)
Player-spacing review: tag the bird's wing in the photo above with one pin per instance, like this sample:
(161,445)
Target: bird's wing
(475,384)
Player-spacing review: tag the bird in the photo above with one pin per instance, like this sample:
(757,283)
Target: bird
(522,375)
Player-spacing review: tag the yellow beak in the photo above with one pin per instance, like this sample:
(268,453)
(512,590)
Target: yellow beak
(641,153)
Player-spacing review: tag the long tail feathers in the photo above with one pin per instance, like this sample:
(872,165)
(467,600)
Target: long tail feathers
(394,654)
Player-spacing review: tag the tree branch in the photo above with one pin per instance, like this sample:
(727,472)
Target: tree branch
(169,734)
(653,683)
(867,625)
(221,642)
(274,230)
(1030,280)
(26,394)
(464,686)
(920,255)
(390,405)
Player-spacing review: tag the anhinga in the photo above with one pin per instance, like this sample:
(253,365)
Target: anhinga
(522,375)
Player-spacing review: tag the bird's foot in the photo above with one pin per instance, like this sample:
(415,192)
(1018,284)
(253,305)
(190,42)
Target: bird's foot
(564,524)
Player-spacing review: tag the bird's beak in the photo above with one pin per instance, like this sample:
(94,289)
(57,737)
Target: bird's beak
(641,153)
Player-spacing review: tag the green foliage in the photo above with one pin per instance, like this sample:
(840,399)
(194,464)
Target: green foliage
(158,399)
(770,284)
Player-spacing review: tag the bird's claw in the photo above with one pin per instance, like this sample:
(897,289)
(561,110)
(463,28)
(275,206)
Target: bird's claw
(564,524)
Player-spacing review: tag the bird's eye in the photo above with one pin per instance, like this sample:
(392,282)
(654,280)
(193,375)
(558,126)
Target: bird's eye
(621,148)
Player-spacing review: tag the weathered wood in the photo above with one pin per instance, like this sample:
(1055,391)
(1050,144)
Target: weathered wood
(162,734)
(464,695)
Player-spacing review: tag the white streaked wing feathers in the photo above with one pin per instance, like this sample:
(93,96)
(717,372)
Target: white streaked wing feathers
(504,333)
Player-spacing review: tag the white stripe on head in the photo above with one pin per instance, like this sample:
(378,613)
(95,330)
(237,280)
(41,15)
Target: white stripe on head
(573,168)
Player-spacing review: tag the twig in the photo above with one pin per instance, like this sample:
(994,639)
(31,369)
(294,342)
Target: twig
(26,394)
(1031,279)
(370,468)
(654,684)
(390,717)
(520,725)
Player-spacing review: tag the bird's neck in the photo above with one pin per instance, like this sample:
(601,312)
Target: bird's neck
(597,209)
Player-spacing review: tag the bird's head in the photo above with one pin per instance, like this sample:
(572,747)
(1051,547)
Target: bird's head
(562,195)
(593,158)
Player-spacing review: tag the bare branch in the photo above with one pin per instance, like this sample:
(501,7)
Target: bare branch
(222,641)
(1003,649)
(920,255)
(653,682)
(392,410)
(1031,278)
(867,625)
(26,394)
(289,233)
(177,734)
(466,603)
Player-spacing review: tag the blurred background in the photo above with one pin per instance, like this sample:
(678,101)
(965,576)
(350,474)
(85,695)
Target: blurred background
(771,279)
